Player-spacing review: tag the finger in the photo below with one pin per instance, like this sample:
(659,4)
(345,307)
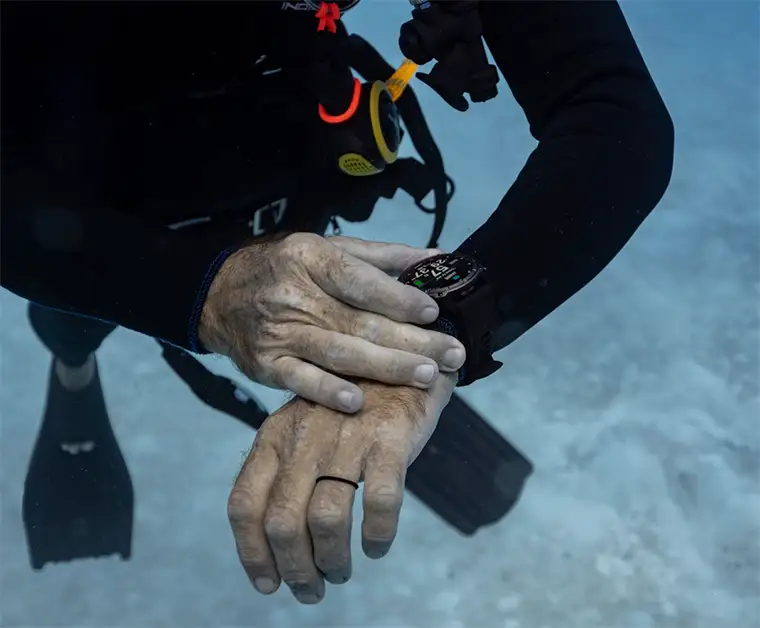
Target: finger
(444,350)
(285,521)
(388,257)
(384,477)
(312,383)
(331,509)
(363,286)
(246,509)
(349,355)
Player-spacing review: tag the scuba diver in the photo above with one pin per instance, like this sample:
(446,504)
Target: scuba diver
(172,167)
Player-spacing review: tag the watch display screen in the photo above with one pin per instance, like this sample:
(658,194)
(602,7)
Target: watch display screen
(440,275)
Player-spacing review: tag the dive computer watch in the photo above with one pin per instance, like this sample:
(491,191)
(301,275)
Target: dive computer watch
(467,307)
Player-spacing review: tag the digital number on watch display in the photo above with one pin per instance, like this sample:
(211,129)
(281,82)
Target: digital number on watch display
(440,276)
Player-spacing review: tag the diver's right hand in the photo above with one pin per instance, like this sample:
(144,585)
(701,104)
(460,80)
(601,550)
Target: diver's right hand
(283,309)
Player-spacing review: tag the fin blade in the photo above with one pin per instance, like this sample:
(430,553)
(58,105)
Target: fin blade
(468,473)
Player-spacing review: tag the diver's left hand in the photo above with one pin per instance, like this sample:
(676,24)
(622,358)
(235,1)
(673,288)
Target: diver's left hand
(288,525)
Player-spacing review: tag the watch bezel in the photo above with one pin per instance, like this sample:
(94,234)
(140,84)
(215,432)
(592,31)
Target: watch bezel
(456,287)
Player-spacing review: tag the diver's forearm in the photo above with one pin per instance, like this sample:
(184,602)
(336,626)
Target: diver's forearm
(574,206)
(603,162)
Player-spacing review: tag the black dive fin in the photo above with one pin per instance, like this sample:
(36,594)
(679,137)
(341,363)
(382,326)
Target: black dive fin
(468,473)
(78,497)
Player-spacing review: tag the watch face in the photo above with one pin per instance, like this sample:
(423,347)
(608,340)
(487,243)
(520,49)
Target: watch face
(442,274)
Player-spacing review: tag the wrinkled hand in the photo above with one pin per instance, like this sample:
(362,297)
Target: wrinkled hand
(290,527)
(283,309)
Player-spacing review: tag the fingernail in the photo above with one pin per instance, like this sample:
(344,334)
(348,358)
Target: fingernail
(350,401)
(375,551)
(375,554)
(429,314)
(424,374)
(453,358)
(264,585)
(307,598)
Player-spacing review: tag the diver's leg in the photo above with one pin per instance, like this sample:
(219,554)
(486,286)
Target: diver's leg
(72,340)
(75,410)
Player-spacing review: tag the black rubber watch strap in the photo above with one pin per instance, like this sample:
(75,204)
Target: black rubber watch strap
(479,315)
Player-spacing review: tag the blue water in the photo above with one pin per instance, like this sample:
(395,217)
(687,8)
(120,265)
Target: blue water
(638,401)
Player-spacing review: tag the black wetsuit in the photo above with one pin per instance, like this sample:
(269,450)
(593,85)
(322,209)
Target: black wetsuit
(118,120)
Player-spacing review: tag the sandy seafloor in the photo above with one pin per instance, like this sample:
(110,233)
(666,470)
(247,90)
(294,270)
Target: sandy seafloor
(637,401)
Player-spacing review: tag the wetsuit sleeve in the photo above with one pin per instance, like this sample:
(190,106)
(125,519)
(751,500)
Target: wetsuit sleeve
(603,161)
(97,262)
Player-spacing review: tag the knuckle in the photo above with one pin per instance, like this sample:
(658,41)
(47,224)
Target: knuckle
(350,430)
(270,332)
(253,556)
(305,343)
(282,526)
(254,563)
(401,366)
(404,337)
(300,246)
(281,295)
(383,501)
(299,583)
(437,339)
(367,326)
(337,355)
(354,279)
(433,344)
(344,275)
(286,371)
(241,509)
(340,317)
(325,520)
